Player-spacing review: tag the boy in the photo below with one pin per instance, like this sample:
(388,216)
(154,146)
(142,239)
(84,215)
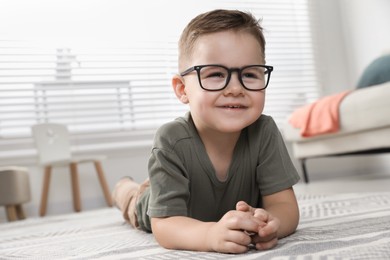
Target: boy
(220,177)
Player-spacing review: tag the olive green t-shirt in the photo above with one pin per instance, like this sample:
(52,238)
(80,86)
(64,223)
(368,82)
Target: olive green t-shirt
(183,181)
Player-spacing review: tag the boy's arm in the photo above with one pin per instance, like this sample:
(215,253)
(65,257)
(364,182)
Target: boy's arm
(225,236)
(283,206)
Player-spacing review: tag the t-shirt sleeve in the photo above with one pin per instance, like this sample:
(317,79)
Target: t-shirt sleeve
(275,170)
(169,192)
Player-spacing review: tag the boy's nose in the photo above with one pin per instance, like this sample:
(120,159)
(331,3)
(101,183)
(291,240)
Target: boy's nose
(234,85)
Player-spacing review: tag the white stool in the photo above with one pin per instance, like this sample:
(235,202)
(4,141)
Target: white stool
(54,149)
(14,191)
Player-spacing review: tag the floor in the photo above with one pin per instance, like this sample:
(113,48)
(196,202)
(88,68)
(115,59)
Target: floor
(371,182)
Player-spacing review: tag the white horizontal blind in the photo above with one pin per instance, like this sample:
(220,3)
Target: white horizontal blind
(118,92)
(90,90)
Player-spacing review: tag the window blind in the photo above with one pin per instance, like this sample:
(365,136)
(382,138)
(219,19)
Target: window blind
(116,92)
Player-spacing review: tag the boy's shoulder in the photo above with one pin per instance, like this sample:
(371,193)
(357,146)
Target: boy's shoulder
(172,132)
(263,127)
(179,125)
(264,121)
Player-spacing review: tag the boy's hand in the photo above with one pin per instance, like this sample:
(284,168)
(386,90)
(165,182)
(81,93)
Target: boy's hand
(227,234)
(267,234)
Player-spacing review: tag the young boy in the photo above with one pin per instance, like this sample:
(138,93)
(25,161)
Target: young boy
(220,177)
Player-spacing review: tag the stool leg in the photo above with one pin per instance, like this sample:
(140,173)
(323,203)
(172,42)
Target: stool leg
(45,191)
(103,183)
(304,170)
(75,187)
(20,212)
(11,213)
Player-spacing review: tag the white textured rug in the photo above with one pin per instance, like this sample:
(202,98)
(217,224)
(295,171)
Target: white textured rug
(348,226)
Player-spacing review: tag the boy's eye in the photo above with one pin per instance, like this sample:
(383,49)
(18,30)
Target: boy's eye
(250,75)
(253,73)
(214,73)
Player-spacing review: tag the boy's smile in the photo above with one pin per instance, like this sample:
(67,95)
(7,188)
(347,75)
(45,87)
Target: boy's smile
(233,108)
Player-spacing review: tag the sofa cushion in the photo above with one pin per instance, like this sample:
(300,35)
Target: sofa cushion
(366,109)
(377,72)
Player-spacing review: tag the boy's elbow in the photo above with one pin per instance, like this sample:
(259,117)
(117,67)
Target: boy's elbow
(293,221)
(161,232)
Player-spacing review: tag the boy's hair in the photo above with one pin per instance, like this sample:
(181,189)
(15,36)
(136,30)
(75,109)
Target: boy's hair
(217,21)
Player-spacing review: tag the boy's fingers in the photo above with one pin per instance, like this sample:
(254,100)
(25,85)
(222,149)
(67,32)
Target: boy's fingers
(269,229)
(239,220)
(242,206)
(261,214)
(231,247)
(239,237)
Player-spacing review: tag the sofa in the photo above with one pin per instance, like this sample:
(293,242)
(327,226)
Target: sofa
(364,128)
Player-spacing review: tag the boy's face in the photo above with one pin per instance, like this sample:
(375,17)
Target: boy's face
(233,108)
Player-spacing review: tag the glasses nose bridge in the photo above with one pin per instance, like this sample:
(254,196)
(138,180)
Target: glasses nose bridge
(230,72)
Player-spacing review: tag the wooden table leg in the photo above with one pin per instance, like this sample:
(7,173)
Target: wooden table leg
(20,212)
(45,191)
(103,183)
(75,187)
(11,212)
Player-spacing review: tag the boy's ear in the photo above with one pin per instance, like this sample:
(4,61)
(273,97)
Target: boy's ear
(179,88)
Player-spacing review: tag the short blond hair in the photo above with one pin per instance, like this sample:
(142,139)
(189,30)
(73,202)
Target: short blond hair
(217,21)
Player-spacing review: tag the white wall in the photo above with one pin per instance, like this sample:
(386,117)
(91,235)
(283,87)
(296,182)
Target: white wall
(350,34)
(366,25)
(329,42)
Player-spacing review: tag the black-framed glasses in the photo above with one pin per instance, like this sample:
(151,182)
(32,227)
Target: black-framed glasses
(215,77)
